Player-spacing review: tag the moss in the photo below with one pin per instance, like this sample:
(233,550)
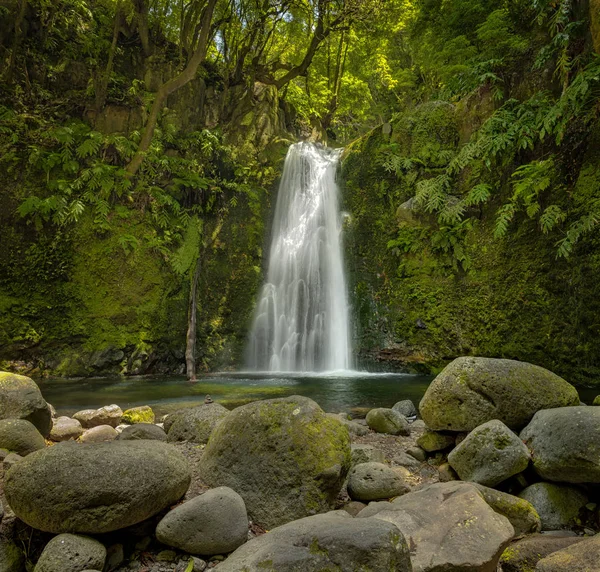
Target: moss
(143,414)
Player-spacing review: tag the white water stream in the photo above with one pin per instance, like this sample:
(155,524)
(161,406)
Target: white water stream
(301,321)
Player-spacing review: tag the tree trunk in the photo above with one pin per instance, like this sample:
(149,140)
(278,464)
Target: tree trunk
(10,70)
(102,83)
(190,346)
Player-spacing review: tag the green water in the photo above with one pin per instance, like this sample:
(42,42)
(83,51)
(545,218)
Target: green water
(339,392)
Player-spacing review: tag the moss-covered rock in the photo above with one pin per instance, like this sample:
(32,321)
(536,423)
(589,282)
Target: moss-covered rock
(580,557)
(12,558)
(524,554)
(473,390)
(383,420)
(71,553)
(142,414)
(285,457)
(20,436)
(195,424)
(432,441)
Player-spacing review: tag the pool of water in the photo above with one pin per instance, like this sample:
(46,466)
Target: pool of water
(334,392)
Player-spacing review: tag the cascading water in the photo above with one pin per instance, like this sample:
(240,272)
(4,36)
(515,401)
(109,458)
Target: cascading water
(301,321)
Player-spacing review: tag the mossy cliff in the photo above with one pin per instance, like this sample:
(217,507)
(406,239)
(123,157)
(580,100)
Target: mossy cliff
(424,293)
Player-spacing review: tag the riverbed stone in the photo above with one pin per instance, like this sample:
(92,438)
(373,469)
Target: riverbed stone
(473,390)
(353,427)
(418,453)
(65,428)
(388,421)
(583,556)
(406,407)
(565,444)
(142,431)
(99,434)
(557,504)
(448,527)
(71,553)
(285,457)
(375,481)
(12,558)
(142,414)
(195,424)
(96,487)
(10,460)
(524,554)
(432,441)
(333,541)
(490,454)
(215,522)
(20,398)
(366,454)
(20,436)
(107,415)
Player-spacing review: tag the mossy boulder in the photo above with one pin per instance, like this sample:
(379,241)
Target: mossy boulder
(557,504)
(142,414)
(20,436)
(388,421)
(71,553)
(596,400)
(20,398)
(473,390)
(375,481)
(285,457)
(580,557)
(12,558)
(523,554)
(432,441)
(96,488)
(195,424)
(565,444)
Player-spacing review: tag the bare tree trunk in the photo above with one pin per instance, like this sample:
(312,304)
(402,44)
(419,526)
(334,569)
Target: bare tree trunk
(10,70)
(102,83)
(190,346)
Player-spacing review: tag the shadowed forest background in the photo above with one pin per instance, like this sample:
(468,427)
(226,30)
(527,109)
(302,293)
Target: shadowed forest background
(141,142)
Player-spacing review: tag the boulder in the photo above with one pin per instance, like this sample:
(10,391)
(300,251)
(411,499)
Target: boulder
(20,436)
(406,408)
(448,527)
(333,541)
(388,421)
(366,454)
(285,457)
(490,454)
(447,473)
(97,487)
(71,553)
(596,400)
(557,504)
(10,460)
(20,398)
(418,453)
(583,556)
(65,428)
(195,424)
(108,415)
(432,441)
(353,427)
(565,444)
(12,558)
(215,522)
(142,431)
(142,414)
(99,434)
(473,390)
(523,554)
(375,481)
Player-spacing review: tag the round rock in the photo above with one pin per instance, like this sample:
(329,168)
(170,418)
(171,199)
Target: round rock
(142,431)
(20,436)
(99,434)
(195,424)
(375,481)
(388,421)
(432,441)
(471,391)
(65,429)
(406,408)
(20,398)
(142,414)
(96,488)
(108,415)
(71,553)
(581,557)
(215,522)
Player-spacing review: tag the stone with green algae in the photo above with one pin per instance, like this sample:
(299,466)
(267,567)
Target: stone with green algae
(142,414)
(581,557)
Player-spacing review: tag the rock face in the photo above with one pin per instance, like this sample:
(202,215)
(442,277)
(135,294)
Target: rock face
(333,541)
(20,436)
(406,408)
(142,414)
(473,390)
(581,557)
(490,454)
(448,527)
(556,504)
(108,415)
(285,457)
(524,554)
(375,481)
(142,431)
(565,444)
(388,421)
(65,428)
(213,523)
(99,434)
(195,424)
(12,558)
(71,553)
(97,487)
(20,398)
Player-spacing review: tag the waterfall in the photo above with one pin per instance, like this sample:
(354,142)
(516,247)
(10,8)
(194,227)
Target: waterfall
(301,320)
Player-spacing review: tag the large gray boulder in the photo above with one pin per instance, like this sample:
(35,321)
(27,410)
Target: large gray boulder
(375,481)
(215,522)
(65,429)
(581,557)
(406,407)
(12,558)
(107,415)
(20,436)
(71,553)
(195,424)
(96,488)
(285,457)
(388,421)
(333,541)
(142,431)
(523,554)
(557,504)
(490,454)
(448,527)
(20,398)
(473,390)
(565,444)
